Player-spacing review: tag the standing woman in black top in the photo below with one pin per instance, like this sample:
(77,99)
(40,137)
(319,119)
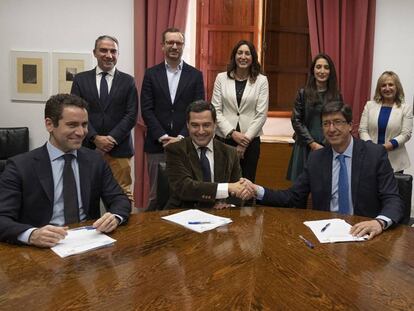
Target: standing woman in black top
(241,99)
(321,87)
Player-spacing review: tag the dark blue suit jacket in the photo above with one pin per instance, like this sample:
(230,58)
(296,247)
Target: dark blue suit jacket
(161,116)
(27,191)
(117,118)
(373,186)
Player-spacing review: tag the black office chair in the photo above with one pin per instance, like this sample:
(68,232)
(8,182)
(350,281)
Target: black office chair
(405,186)
(163,187)
(13,140)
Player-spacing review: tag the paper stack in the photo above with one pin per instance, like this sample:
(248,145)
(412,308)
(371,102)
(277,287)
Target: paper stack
(81,240)
(197,220)
(336,230)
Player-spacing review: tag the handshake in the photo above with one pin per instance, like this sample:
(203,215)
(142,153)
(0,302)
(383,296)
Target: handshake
(243,189)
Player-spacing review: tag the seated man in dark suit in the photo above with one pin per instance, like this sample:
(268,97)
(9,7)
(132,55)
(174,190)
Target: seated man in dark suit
(202,171)
(350,177)
(59,183)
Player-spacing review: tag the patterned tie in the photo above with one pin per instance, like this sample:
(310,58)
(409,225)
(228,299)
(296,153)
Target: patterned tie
(205,164)
(70,195)
(103,89)
(343,186)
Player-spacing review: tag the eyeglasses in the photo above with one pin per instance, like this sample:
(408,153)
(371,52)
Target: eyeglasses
(172,42)
(336,123)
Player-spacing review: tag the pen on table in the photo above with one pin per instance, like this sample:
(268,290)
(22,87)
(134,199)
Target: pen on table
(325,227)
(307,242)
(199,222)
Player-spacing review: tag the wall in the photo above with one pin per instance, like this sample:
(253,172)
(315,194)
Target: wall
(59,26)
(393,50)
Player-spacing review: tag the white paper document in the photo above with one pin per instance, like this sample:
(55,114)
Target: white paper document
(197,220)
(80,240)
(332,230)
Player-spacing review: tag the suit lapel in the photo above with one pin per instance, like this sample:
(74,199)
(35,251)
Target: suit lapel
(84,179)
(231,89)
(114,89)
(358,155)
(162,79)
(246,93)
(92,84)
(43,170)
(220,162)
(182,84)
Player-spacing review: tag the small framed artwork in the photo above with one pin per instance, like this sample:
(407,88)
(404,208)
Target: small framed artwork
(65,67)
(29,75)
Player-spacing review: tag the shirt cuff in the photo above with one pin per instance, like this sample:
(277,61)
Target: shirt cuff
(162,137)
(394,143)
(260,193)
(25,235)
(222,191)
(120,218)
(388,221)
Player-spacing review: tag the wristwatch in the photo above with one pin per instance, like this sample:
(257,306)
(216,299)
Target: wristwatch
(229,134)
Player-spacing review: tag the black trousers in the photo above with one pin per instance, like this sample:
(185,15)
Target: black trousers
(251,157)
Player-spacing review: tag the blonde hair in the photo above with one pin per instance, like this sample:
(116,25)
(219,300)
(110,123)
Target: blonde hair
(399,94)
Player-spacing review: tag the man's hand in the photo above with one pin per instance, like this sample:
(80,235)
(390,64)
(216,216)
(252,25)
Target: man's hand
(47,236)
(107,223)
(240,151)
(104,143)
(240,139)
(243,189)
(370,227)
(169,140)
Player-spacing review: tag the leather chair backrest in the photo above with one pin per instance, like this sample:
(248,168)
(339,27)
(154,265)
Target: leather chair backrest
(13,140)
(405,186)
(163,187)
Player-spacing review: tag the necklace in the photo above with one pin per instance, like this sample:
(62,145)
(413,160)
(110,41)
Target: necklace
(239,77)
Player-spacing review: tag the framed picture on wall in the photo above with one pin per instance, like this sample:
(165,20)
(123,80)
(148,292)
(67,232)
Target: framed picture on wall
(65,67)
(29,75)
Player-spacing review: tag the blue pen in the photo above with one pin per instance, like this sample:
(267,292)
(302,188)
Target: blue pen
(199,222)
(307,242)
(325,227)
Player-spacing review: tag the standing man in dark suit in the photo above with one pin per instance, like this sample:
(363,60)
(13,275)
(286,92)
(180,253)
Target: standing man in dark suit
(113,105)
(350,177)
(167,89)
(60,183)
(202,171)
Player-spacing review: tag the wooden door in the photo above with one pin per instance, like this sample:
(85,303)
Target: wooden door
(286,50)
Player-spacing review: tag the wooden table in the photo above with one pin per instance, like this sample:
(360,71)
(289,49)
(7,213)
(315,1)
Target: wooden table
(256,263)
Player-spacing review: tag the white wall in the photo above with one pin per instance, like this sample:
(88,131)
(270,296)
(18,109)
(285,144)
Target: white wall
(393,50)
(56,26)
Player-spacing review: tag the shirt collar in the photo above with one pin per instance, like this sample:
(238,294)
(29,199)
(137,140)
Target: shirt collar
(348,150)
(110,72)
(55,153)
(179,67)
(209,145)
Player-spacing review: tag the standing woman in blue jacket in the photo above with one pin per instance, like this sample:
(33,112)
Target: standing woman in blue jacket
(321,88)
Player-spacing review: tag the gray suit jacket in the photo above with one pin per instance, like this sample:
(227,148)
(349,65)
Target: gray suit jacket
(188,190)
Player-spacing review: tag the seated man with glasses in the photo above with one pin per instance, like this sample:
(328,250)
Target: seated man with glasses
(349,176)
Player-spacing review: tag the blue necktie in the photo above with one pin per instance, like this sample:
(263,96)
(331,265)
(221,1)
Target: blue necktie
(343,186)
(103,89)
(70,195)
(205,164)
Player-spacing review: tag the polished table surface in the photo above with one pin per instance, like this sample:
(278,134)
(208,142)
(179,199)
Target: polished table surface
(257,262)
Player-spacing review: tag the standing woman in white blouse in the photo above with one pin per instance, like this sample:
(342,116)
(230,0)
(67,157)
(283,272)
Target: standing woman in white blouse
(241,99)
(388,120)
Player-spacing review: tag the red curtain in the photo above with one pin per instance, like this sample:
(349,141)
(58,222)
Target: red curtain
(344,29)
(151,18)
